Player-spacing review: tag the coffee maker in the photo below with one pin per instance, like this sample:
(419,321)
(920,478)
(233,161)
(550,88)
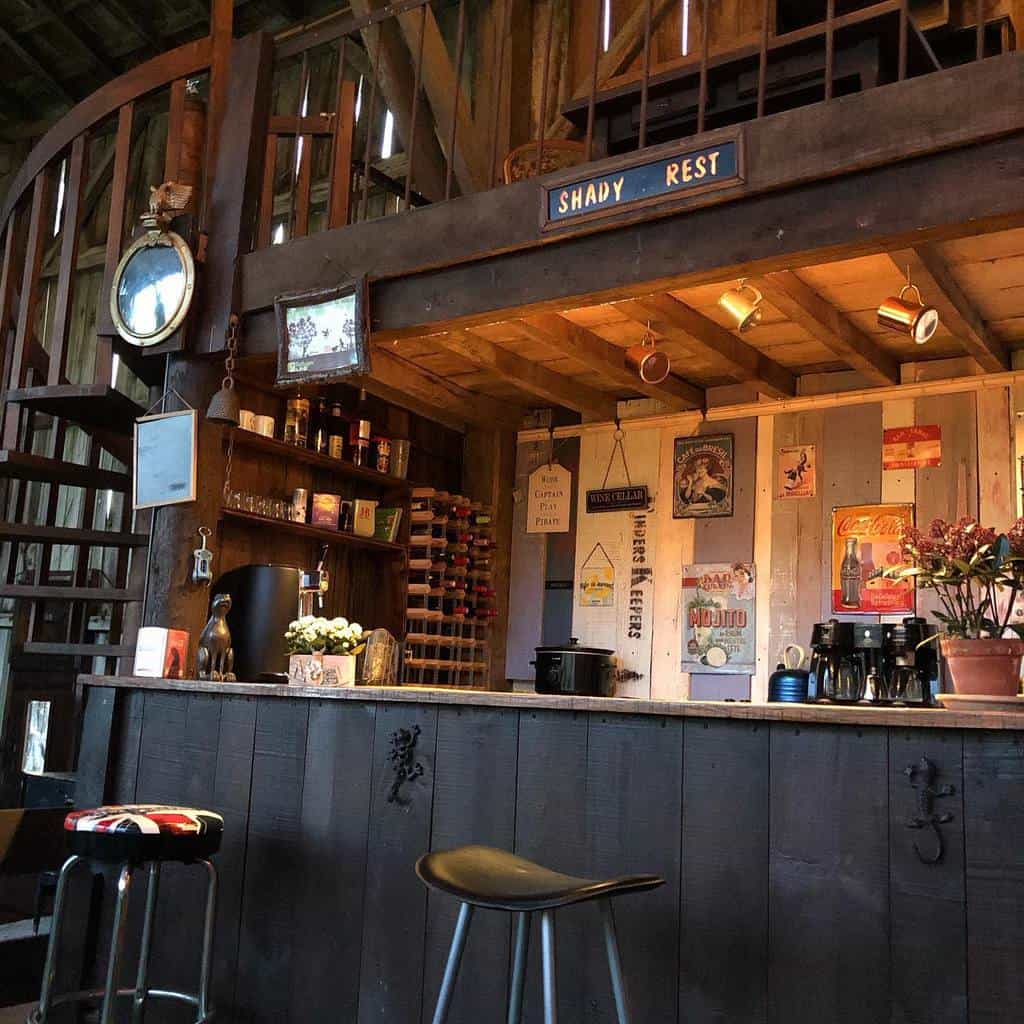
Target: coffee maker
(910,663)
(832,657)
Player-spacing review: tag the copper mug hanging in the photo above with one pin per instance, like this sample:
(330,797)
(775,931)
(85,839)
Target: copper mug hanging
(744,310)
(913,318)
(650,363)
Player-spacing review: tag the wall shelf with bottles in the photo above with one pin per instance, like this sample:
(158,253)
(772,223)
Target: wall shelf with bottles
(317,533)
(248,439)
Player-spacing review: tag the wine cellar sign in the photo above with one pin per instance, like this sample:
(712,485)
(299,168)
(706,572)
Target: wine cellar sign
(673,172)
(618,499)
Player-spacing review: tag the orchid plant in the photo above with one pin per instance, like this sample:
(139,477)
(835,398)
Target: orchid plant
(976,574)
(317,635)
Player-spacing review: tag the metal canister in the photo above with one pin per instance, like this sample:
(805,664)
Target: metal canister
(300,501)
(383,454)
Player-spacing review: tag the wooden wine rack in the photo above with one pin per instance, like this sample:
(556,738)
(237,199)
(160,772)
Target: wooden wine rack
(451,552)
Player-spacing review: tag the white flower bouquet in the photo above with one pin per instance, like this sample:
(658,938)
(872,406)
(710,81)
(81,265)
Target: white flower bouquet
(314,634)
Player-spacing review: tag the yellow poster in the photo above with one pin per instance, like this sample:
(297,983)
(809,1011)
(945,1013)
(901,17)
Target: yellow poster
(597,580)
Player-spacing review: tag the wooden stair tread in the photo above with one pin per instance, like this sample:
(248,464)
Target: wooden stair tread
(80,650)
(91,405)
(71,535)
(61,593)
(26,466)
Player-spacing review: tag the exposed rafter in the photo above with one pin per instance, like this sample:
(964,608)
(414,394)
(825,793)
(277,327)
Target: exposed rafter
(609,360)
(538,380)
(928,270)
(804,306)
(674,319)
(41,72)
(83,37)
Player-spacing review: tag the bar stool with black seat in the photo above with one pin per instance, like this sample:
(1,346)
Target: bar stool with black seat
(480,876)
(134,836)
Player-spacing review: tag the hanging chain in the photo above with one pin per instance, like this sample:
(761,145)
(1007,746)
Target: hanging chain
(228,384)
(621,449)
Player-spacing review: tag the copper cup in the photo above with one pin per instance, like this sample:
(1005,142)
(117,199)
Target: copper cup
(746,311)
(650,364)
(909,317)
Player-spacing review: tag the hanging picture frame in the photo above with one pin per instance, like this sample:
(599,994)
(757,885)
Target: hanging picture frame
(702,477)
(323,334)
(164,454)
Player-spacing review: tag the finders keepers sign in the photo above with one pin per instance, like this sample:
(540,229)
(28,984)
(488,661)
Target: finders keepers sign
(718,618)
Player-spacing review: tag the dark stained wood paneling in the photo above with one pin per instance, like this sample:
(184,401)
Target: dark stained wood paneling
(634,811)
(391,975)
(829,893)
(475,771)
(126,745)
(551,797)
(93,751)
(723,972)
(331,861)
(927,900)
(994,828)
(270,926)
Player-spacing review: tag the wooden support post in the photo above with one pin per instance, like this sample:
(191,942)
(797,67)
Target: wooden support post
(115,221)
(341,173)
(68,261)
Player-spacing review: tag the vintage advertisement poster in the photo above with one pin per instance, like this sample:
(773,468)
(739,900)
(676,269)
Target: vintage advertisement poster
(548,499)
(702,477)
(597,579)
(718,618)
(798,471)
(866,559)
(912,447)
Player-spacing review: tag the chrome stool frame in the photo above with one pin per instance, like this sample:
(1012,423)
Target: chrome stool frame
(140,993)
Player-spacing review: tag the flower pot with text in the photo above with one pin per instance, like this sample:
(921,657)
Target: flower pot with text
(306,670)
(990,667)
(339,670)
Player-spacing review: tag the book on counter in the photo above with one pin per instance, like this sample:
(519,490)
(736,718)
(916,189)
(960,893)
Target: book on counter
(326,511)
(386,523)
(161,653)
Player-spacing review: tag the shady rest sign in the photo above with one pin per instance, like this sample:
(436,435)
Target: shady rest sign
(677,171)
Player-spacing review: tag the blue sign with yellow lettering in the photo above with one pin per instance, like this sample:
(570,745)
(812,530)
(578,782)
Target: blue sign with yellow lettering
(680,172)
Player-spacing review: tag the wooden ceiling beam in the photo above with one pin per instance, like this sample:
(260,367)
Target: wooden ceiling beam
(609,360)
(929,271)
(82,35)
(35,66)
(552,388)
(804,306)
(392,376)
(671,318)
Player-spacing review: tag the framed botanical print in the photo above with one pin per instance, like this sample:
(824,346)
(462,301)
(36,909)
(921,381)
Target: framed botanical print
(323,334)
(702,477)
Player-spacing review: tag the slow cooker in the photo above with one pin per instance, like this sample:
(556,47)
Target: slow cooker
(572,670)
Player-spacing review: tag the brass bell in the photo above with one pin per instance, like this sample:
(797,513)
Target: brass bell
(224,406)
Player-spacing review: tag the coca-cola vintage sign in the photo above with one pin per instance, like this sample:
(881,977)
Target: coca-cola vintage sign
(866,558)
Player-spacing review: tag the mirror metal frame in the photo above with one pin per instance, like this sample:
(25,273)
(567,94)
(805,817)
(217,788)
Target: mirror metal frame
(152,239)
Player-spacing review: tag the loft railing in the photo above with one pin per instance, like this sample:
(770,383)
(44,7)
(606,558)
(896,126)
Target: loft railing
(380,111)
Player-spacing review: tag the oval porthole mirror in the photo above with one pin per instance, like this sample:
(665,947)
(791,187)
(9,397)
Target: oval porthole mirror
(152,288)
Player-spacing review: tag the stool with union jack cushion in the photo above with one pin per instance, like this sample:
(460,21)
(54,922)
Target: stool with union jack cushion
(135,836)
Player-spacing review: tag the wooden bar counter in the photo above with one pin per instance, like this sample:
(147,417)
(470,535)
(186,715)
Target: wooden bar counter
(794,890)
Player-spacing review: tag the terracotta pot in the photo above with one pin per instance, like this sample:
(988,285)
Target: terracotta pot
(989,667)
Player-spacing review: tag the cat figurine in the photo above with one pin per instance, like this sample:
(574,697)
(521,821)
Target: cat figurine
(216,657)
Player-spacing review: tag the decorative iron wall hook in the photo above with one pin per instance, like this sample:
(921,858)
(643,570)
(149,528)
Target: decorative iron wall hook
(403,761)
(922,779)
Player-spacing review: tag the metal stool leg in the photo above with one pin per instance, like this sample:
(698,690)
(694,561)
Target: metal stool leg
(124,883)
(611,946)
(547,944)
(56,924)
(141,989)
(204,1009)
(522,952)
(451,972)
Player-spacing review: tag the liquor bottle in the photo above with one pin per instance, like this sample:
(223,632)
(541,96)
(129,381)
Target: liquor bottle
(850,575)
(359,432)
(296,423)
(336,435)
(318,436)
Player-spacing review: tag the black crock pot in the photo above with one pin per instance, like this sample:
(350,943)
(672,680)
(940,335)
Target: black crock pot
(576,671)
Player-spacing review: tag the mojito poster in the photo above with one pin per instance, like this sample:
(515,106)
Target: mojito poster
(718,618)
(866,559)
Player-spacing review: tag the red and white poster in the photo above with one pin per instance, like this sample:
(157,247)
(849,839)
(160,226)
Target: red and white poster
(866,558)
(912,447)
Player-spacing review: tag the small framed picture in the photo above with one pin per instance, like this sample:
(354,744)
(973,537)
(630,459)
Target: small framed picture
(702,477)
(164,463)
(323,334)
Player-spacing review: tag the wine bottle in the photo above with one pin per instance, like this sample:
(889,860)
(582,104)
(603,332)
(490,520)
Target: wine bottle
(359,432)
